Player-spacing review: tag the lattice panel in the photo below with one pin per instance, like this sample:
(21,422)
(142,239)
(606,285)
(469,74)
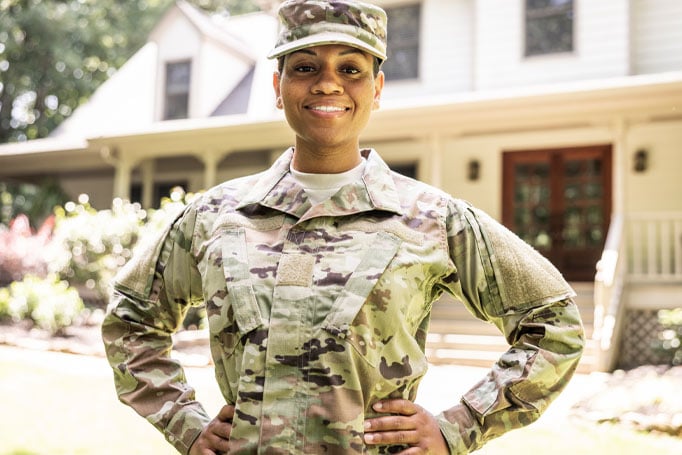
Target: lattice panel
(640,332)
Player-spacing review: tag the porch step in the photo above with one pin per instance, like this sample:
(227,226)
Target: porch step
(457,337)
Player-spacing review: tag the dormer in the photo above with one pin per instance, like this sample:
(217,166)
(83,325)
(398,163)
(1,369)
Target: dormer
(199,64)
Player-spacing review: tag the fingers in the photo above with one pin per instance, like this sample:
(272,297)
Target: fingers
(226,413)
(406,424)
(397,406)
(215,437)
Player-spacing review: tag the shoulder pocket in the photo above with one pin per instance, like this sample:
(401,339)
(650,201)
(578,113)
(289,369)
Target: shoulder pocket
(524,279)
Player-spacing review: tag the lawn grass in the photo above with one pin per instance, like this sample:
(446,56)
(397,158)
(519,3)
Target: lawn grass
(60,404)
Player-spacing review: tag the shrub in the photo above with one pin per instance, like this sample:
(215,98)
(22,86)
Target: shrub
(36,201)
(90,246)
(22,251)
(50,303)
(669,342)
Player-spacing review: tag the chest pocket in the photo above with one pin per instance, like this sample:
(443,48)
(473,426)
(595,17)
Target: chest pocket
(239,313)
(341,320)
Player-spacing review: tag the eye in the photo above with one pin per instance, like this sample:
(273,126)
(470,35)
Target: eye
(350,70)
(302,68)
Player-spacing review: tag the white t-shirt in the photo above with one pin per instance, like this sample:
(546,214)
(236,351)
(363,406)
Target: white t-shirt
(321,187)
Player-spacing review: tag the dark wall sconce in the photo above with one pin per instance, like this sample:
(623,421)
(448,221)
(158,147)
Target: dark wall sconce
(474,170)
(641,160)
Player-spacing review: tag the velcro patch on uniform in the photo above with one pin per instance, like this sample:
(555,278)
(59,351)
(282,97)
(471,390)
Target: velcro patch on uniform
(295,270)
(392,226)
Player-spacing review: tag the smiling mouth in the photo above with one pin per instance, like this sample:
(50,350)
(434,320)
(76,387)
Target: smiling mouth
(327,108)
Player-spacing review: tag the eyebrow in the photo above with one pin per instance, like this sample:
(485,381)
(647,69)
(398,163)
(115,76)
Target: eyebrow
(349,51)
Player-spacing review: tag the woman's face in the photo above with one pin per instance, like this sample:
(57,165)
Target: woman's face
(327,93)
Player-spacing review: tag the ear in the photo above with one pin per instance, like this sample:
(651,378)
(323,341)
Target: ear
(276,87)
(378,87)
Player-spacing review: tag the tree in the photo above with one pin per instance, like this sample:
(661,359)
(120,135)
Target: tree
(55,53)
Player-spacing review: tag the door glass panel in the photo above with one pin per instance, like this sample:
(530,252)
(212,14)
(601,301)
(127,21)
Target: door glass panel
(532,204)
(559,202)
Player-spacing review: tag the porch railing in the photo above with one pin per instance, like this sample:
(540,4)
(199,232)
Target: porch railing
(655,247)
(640,248)
(608,288)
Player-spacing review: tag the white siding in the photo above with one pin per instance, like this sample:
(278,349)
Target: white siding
(177,40)
(218,72)
(600,35)
(656,36)
(446,50)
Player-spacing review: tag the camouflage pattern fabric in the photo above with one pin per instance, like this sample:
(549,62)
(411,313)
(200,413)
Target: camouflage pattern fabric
(306,23)
(318,311)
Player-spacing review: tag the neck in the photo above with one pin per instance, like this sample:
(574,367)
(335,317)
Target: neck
(324,161)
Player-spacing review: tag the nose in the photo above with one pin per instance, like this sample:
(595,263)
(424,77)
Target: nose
(327,83)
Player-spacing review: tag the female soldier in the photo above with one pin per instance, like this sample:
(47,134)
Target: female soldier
(319,275)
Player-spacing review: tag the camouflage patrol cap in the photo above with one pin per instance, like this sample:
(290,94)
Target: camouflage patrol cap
(307,23)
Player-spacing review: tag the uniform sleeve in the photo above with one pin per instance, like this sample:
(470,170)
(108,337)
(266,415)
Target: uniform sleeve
(151,296)
(504,281)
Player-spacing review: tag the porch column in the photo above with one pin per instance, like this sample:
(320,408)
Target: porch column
(122,179)
(620,151)
(435,164)
(210,158)
(147,168)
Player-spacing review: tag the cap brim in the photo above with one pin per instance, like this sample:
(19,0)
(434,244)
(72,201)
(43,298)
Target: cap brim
(322,39)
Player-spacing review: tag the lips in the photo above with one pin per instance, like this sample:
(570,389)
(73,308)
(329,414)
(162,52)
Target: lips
(326,108)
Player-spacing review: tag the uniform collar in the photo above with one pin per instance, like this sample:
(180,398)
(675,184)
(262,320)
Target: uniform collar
(277,189)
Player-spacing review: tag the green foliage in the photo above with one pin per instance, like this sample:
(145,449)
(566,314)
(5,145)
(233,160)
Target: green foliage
(55,53)
(49,302)
(669,342)
(33,200)
(90,246)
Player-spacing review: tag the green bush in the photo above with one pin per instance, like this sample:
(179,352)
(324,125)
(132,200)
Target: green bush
(34,201)
(89,246)
(669,342)
(49,302)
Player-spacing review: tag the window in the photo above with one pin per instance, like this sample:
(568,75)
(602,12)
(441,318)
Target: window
(549,27)
(177,90)
(403,42)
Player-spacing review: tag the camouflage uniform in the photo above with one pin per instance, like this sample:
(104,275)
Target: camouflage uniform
(316,312)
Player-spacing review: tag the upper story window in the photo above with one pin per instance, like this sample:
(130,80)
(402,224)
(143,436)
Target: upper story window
(403,42)
(549,27)
(176,99)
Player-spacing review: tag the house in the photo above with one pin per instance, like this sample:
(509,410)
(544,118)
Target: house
(561,118)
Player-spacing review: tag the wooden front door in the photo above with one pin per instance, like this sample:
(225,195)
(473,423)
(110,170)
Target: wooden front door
(559,201)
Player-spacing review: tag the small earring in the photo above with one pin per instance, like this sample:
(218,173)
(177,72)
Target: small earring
(279,102)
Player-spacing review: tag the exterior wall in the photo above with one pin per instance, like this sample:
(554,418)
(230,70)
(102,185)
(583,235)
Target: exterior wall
(601,45)
(660,186)
(98,186)
(219,72)
(656,36)
(486,192)
(177,40)
(446,50)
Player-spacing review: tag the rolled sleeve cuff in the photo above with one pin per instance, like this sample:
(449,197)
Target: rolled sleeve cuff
(185,427)
(460,429)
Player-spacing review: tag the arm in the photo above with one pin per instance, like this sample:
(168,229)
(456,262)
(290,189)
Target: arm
(504,281)
(150,299)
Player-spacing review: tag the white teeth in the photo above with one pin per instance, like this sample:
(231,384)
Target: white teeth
(328,108)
